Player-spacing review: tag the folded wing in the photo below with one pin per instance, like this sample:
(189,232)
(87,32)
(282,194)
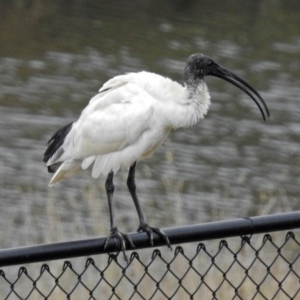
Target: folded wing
(110,133)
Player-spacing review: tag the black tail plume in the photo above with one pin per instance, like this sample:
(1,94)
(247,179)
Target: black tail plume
(55,143)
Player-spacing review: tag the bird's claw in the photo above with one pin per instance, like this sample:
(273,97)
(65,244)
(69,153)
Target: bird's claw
(149,230)
(122,238)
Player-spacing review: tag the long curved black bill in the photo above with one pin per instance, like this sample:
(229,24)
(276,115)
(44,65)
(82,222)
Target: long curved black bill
(241,84)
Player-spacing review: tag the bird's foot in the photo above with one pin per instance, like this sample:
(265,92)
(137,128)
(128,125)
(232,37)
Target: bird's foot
(122,238)
(149,230)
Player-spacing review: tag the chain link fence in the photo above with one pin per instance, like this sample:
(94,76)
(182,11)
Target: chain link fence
(257,267)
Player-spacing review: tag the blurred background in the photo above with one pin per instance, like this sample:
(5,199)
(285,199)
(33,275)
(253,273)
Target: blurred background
(55,55)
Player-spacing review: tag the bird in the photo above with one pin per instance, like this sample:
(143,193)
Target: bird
(127,121)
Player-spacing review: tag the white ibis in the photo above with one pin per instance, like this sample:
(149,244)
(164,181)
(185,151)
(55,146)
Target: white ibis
(128,120)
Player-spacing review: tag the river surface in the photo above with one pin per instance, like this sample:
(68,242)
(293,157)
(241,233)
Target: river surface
(54,56)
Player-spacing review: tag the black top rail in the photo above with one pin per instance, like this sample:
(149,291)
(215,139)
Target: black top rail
(177,235)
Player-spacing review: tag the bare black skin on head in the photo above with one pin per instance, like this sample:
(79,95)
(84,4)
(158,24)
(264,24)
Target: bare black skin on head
(198,66)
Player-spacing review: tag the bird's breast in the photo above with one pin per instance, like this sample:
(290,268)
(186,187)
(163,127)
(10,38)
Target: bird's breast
(154,142)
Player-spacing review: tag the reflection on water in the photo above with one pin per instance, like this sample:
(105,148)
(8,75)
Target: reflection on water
(54,58)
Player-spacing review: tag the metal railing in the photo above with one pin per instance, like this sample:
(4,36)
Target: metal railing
(247,267)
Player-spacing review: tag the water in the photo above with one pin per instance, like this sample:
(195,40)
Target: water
(55,56)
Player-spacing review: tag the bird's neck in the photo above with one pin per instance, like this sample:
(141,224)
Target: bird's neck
(195,105)
(186,107)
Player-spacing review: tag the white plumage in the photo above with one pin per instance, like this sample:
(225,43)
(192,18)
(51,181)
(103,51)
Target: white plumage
(128,120)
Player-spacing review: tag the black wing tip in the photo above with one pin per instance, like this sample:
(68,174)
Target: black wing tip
(56,141)
(51,169)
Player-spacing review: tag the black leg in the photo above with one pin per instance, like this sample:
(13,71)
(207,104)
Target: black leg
(110,188)
(142,218)
(114,232)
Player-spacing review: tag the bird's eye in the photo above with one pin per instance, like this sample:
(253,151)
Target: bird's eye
(209,63)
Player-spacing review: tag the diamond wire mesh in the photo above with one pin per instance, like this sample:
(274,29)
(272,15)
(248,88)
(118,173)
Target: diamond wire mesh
(251,269)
